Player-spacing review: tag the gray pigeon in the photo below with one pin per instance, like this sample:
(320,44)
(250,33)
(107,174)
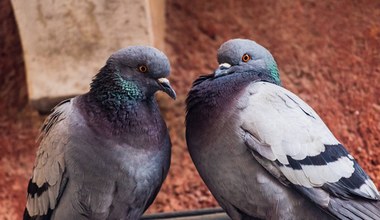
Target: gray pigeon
(105,154)
(263,152)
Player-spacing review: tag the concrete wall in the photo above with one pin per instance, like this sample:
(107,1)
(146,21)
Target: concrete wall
(65,43)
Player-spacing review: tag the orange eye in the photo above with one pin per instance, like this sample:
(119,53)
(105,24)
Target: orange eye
(245,58)
(143,68)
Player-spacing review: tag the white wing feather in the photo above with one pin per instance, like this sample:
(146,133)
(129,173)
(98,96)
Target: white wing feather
(292,130)
(273,110)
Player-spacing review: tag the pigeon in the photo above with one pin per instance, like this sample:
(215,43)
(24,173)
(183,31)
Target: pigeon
(105,154)
(263,152)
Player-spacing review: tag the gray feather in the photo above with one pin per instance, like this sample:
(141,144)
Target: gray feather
(105,154)
(265,153)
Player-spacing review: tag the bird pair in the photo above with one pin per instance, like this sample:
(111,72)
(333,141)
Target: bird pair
(261,150)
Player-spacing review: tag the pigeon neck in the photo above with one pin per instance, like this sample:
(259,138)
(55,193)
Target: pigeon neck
(116,119)
(117,96)
(214,94)
(273,70)
(111,91)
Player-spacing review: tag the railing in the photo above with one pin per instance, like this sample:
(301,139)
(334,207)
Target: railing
(200,214)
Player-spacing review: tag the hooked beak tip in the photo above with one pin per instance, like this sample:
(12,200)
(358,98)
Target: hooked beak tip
(166,87)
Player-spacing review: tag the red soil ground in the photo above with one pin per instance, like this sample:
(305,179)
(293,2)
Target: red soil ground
(328,53)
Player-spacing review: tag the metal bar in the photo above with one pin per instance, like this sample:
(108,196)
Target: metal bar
(200,214)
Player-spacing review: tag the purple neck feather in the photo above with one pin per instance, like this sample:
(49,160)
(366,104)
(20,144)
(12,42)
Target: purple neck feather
(129,121)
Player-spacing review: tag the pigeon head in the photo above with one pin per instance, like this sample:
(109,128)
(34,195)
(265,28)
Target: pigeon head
(247,57)
(131,74)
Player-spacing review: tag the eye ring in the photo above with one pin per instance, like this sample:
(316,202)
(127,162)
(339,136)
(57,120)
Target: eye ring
(245,58)
(143,68)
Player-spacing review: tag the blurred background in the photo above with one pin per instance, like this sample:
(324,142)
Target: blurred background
(328,53)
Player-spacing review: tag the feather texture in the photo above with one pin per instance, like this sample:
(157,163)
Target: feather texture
(48,178)
(265,153)
(303,149)
(105,154)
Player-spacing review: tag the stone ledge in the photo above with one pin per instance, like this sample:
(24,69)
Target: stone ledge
(65,43)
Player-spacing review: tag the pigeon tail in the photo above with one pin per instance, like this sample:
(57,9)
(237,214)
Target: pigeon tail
(354,209)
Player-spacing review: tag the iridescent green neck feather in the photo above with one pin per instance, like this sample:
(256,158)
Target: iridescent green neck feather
(112,91)
(273,69)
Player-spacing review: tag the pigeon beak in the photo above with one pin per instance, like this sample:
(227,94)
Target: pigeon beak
(166,87)
(222,70)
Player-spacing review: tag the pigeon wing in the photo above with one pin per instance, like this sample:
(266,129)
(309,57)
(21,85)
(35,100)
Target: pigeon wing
(49,179)
(290,140)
